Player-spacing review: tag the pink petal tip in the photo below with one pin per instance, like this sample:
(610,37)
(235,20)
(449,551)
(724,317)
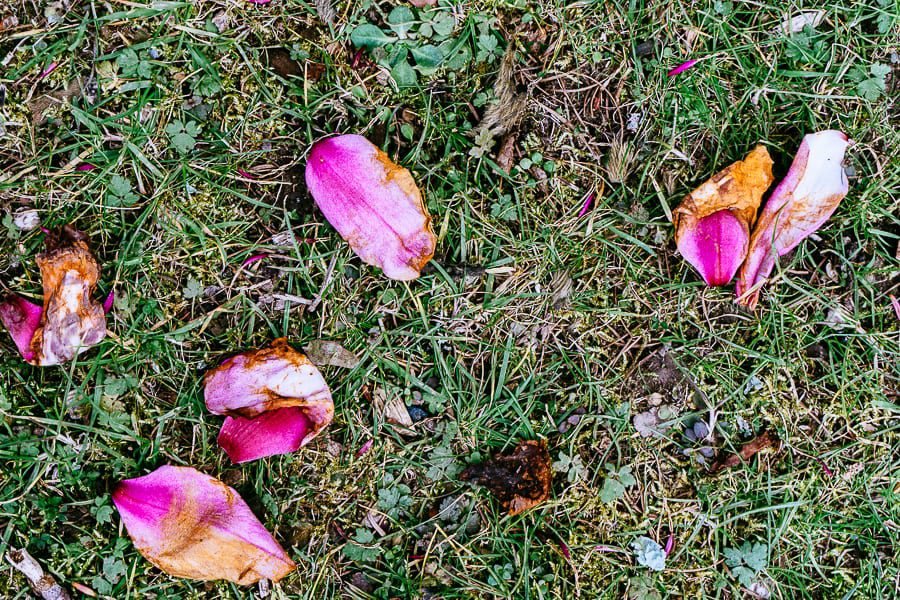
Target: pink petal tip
(586,206)
(279,431)
(715,246)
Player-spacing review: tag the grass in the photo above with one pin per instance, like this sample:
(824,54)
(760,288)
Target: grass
(489,341)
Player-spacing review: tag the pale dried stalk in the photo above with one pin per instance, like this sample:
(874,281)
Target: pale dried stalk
(42,583)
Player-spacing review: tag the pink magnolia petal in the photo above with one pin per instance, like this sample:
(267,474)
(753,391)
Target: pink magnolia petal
(86,167)
(22,319)
(250,387)
(279,431)
(50,68)
(712,223)
(373,203)
(586,205)
(807,196)
(716,246)
(194,526)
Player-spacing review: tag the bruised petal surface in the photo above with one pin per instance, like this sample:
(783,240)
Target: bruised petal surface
(22,319)
(278,431)
(194,526)
(373,203)
(807,196)
(713,222)
(255,388)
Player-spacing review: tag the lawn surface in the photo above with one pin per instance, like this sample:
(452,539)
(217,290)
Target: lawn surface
(532,322)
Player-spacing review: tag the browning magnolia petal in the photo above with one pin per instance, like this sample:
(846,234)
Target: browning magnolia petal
(807,196)
(275,398)
(194,526)
(713,222)
(70,321)
(520,480)
(373,203)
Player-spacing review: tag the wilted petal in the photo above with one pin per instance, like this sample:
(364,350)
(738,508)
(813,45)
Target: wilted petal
(22,319)
(373,203)
(70,321)
(520,480)
(713,222)
(194,526)
(254,388)
(802,202)
(275,432)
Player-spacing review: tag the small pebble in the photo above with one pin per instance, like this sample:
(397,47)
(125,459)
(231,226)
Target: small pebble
(417,413)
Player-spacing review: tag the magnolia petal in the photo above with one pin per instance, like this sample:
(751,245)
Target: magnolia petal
(278,431)
(194,526)
(713,222)
(22,319)
(373,203)
(807,196)
(72,321)
(253,384)
(716,246)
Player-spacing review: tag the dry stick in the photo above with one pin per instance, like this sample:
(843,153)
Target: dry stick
(42,583)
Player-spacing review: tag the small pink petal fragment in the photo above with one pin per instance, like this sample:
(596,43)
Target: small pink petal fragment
(586,207)
(253,259)
(194,526)
(683,67)
(86,167)
(828,472)
(110,300)
(807,196)
(670,544)
(896,304)
(365,447)
(245,174)
(80,587)
(50,68)
(254,388)
(565,550)
(22,319)
(279,431)
(373,203)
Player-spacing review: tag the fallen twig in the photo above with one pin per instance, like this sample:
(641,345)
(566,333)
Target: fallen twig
(42,583)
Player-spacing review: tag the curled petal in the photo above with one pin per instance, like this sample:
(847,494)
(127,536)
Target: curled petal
(807,196)
(70,321)
(712,224)
(22,319)
(683,67)
(373,203)
(194,526)
(255,388)
(278,431)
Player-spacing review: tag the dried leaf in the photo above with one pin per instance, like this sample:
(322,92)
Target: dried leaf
(713,222)
(802,202)
(275,398)
(373,203)
(194,526)
(520,480)
(326,353)
(393,410)
(747,451)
